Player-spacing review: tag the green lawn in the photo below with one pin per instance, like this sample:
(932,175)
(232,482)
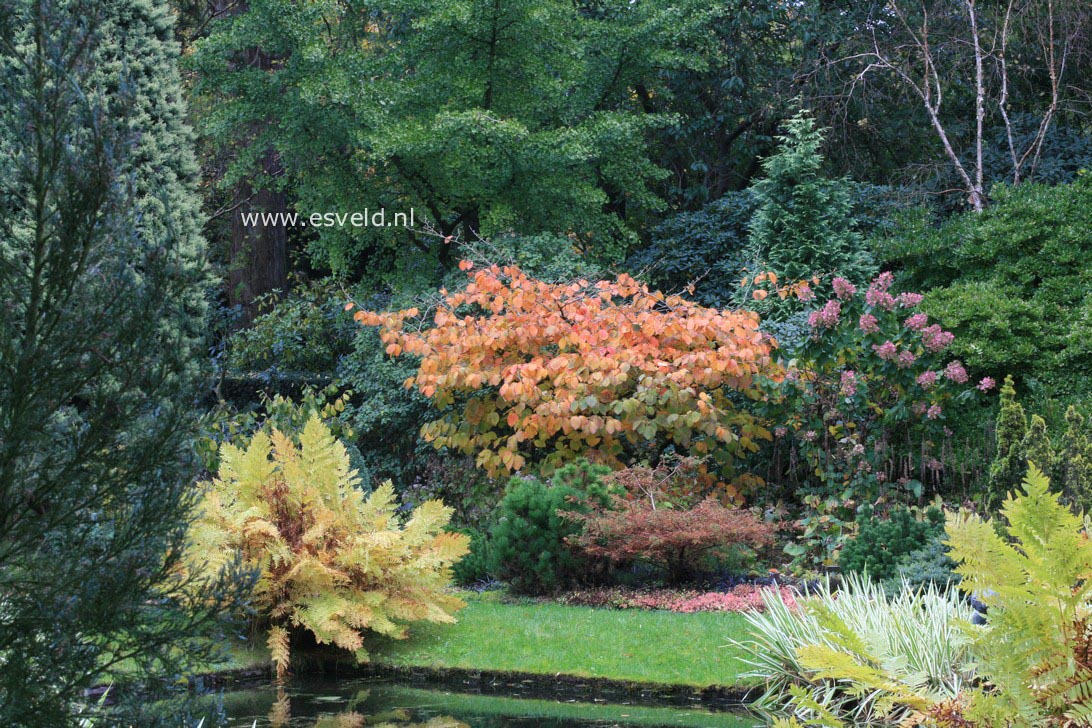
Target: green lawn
(548,639)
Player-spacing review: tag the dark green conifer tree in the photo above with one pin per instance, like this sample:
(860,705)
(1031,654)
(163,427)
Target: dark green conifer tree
(804,223)
(1010,463)
(102,308)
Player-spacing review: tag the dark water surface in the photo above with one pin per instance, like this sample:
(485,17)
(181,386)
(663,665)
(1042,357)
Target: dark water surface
(330,703)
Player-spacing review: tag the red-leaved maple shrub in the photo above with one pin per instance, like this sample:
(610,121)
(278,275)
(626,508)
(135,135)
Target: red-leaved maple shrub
(676,540)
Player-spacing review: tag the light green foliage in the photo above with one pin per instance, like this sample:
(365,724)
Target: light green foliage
(1011,282)
(528,546)
(855,656)
(803,224)
(1034,573)
(329,560)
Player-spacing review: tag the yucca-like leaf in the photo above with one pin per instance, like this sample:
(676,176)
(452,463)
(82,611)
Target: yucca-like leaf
(859,657)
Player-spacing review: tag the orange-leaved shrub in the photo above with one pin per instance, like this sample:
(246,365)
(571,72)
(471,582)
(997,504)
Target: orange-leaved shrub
(526,370)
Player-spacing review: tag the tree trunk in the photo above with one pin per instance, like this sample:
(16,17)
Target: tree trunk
(259,253)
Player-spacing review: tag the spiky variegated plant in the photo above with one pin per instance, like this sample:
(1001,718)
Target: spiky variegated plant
(329,559)
(1032,660)
(855,656)
(1036,578)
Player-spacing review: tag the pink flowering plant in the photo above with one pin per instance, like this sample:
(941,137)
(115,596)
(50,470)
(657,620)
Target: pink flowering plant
(861,412)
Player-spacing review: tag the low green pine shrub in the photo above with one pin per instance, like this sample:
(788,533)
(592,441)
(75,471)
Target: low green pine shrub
(882,546)
(527,542)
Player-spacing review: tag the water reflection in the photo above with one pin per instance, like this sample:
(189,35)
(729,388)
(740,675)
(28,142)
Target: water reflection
(352,716)
(330,703)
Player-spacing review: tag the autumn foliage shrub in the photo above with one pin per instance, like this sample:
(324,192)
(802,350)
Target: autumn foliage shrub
(653,518)
(329,560)
(523,370)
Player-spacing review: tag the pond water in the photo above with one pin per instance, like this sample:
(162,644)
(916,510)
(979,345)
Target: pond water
(329,703)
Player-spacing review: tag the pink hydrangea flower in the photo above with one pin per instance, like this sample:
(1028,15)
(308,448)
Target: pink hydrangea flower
(886,351)
(935,338)
(827,317)
(917,322)
(955,372)
(906,359)
(849,383)
(927,379)
(880,299)
(934,412)
(804,292)
(843,289)
(987,384)
(868,323)
(883,281)
(909,300)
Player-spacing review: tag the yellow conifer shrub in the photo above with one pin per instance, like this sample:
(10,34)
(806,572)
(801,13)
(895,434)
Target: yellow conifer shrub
(329,559)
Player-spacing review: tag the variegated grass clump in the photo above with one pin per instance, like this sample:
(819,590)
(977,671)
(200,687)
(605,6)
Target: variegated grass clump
(909,650)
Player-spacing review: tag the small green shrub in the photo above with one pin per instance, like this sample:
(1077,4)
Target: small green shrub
(931,565)
(303,331)
(528,541)
(474,567)
(882,545)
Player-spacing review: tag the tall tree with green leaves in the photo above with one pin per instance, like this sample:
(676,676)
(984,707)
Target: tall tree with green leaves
(483,116)
(101,338)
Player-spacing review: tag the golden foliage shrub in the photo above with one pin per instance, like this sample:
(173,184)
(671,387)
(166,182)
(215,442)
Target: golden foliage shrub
(329,559)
